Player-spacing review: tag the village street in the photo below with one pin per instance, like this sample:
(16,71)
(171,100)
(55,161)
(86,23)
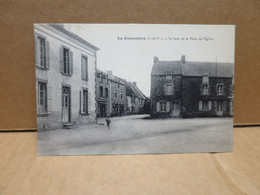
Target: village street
(136,134)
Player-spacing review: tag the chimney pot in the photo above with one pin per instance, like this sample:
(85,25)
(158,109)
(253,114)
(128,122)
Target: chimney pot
(135,83)
(156,60)
(109,73)
(183,59)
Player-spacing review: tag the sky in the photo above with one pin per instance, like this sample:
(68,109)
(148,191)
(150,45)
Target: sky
(129,49)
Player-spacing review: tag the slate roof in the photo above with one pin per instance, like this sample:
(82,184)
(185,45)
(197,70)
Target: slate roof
(74,36)
(136,90)
(190,68)
(161,67)
(213,69)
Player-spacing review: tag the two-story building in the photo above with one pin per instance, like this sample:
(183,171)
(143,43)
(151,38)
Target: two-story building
(65,78)
(135,99)
(103,94)
(191,89)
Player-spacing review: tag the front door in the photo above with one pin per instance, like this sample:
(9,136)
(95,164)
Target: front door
(220,108)
(176,108)
(103,110)
(65,104)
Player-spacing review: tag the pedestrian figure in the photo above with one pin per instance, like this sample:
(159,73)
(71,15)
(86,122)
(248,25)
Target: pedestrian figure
(108,122)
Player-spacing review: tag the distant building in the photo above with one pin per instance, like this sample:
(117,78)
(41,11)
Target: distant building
(191,89)
(118,95)
(103,94)
(135,99)
(65,78)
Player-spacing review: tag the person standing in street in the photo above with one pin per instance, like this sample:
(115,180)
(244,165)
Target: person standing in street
(108,123)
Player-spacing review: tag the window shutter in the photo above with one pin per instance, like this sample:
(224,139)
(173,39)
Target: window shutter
(36,45)
(82,68)
(37,97)
(224,107)
(158,106)
(88,103)
(61,60)
(86,71)
(70,63)
(209,105)
(49,100)
(81,101)
(167,106)
(47,46)
(200,105)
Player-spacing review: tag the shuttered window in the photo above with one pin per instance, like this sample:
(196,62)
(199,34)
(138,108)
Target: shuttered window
(66,61)
(42,51)
(84,101)
(42,98)
(84,68)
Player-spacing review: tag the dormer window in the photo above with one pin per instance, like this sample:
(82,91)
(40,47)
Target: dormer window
(205,90)
(205,84)
(168,73)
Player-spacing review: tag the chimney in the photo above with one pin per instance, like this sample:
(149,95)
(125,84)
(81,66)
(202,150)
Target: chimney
(135,83)
(183,59)
(155,60)
(109,73)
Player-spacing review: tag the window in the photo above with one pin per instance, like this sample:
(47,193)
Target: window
(220,89)
(106,79)
(101,78)
(205,84)
(133,98)
(204,106)
(205,89)
(100,91)
(168,74)
(84,101)
(121,94)
(169,89)
(42,53)
(42,98)
(66,61)
(84,68)
(118,85)
(115,94)
(219,105)
(106,92)
(163,106)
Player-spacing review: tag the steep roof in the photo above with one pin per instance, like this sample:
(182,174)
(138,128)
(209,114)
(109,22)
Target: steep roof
(161,67)
(213,69)
(74,36)
(190,68)
(136,90)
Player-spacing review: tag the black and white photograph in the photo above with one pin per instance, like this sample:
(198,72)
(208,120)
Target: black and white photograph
(134,88)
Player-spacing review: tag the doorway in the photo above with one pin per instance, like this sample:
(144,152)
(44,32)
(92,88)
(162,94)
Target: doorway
(66,104)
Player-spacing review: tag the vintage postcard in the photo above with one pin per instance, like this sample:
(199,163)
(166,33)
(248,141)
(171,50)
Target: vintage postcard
(134,88)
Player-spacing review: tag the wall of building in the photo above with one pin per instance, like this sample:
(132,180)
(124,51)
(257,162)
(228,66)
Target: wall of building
(103,100)
(192,94)
(158,91)
(55,80)
(118,100)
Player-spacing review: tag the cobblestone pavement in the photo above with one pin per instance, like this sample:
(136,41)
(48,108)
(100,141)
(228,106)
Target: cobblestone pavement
(135,134)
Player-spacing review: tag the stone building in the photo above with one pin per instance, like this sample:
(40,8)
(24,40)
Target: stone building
(103,94)
(118,95)
(135,99)
(191,89)
(65,78)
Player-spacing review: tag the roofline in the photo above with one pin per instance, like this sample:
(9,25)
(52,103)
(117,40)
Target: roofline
(74,36)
